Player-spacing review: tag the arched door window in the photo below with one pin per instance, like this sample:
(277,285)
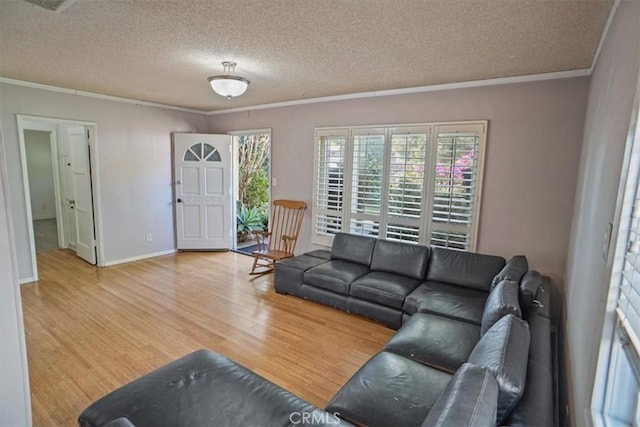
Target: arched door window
(202,151)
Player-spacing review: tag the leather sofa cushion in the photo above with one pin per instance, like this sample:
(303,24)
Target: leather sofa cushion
(529,286)
(400,258)
(202,388)
(389,390)
(301,262)
(514,270)
(436,341)
(392,317)
(470,400)
(383,288)
(535,408)
(467,269)
(353,248)
(455,302)
(335,275)
(540,348)
(289,273)
(320,253)
(504,349)
(503,300)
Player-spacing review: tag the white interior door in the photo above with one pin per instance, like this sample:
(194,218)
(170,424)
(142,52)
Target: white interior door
(81,205)
(66,190)
(203,195)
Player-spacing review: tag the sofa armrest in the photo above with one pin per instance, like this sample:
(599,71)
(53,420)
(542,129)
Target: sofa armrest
(470,399)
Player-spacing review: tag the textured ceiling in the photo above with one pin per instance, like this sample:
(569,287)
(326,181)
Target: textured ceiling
(163,51)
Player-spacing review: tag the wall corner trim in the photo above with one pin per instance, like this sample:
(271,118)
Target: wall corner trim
(612,14)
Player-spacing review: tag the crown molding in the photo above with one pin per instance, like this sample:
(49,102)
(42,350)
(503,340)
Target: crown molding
(59,89)
(431,88)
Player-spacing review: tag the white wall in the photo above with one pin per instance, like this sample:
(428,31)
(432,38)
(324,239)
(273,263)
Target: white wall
(611,93)
(533,145)
(40,171)
(134,157)
(15,402)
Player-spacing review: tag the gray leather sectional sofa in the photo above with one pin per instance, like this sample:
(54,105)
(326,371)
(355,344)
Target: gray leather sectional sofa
(445,301)
(390,281)
(473,349)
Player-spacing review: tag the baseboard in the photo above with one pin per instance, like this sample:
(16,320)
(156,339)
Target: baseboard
(138,258)
(27,280)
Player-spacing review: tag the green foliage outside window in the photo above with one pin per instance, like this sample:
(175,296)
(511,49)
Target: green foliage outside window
(253,186)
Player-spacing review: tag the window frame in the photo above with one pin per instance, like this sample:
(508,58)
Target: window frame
(611,343)
(425,221)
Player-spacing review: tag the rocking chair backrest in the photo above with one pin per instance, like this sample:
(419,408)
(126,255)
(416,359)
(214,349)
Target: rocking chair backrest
(286,220)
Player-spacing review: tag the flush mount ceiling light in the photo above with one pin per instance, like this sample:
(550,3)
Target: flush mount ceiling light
(229,85)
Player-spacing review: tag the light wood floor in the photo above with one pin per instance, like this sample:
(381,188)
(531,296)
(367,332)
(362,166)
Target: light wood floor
(45,233)
(90,330)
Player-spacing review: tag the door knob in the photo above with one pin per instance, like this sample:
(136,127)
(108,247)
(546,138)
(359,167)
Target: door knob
(179,200)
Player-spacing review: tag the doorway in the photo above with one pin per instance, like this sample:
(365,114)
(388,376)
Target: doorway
(59,165)
(39,148)
(252,185)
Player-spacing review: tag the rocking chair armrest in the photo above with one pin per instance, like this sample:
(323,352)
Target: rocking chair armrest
(289,243)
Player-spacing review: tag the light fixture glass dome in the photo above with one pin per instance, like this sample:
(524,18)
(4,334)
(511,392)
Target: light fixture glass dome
(229,85)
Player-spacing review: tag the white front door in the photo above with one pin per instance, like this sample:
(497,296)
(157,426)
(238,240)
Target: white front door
(203,197)
(79,180)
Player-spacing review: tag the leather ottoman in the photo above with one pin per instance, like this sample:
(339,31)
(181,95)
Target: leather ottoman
(203,389)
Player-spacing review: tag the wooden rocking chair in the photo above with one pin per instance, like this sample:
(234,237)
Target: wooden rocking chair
(286,220)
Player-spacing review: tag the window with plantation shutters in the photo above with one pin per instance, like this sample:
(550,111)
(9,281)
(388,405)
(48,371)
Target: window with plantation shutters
(407,167)
(329,184)
(415,183)
(454,189)
(367,175)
